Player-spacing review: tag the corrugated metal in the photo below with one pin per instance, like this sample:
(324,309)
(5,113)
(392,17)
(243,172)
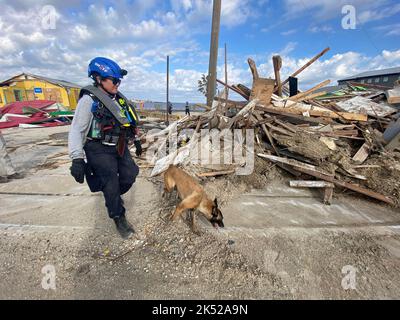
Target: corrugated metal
(373,73)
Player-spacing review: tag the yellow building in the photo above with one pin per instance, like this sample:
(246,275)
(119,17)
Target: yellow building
(27,87)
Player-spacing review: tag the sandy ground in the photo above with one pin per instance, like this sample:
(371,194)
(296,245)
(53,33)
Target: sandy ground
(278,243)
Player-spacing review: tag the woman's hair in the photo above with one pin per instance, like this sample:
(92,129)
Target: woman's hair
(94,77)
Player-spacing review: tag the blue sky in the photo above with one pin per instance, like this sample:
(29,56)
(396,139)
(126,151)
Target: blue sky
(139,35)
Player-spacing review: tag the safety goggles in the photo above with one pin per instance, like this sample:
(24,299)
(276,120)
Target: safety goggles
(115,81)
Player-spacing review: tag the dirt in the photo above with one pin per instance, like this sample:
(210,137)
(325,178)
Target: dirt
(305,144)
(386,178)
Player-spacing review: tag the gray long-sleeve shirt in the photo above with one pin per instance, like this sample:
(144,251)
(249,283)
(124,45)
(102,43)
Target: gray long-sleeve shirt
(80,127)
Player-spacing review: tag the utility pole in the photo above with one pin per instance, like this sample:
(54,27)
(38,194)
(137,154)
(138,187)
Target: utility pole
(212,67)
(226,74)
(167,107)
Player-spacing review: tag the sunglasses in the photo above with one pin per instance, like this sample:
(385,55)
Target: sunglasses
(115,81)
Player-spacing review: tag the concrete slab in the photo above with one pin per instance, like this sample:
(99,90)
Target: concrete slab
(281,206)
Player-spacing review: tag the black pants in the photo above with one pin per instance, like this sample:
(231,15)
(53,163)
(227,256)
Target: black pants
(116,174)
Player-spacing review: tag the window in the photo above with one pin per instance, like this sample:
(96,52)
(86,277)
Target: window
(385,79)
(17,95)
(376,80)
(362,81)
(369,81)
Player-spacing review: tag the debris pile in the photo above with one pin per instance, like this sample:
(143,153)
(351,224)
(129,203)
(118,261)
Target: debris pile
(345,138)
(34,114)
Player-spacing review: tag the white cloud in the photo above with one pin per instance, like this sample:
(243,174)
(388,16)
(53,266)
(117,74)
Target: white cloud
(378,14)
(289,32)
(318,29)
(389,30)
(327,9)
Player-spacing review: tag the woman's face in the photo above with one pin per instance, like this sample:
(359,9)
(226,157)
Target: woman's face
(109,86)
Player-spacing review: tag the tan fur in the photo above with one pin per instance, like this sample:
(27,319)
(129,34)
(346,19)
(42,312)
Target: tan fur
(190,192)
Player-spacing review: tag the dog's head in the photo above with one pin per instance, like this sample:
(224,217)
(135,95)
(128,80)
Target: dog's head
(216,216)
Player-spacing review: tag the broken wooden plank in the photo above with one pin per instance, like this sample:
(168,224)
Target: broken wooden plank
(363,153)
(310,184)
(319,55)
(312,96)
(277,62)
(309,91)
(253,68)
(318,113)
(296,164)
(215,173)
(262,89)
(267,133)
(234,89)
(283,131)
(311,170)
(287,126)
(393,96)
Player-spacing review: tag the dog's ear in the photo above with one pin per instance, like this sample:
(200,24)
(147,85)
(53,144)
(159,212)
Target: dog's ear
(215,202)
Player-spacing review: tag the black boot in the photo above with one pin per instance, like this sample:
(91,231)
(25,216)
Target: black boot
(123,227)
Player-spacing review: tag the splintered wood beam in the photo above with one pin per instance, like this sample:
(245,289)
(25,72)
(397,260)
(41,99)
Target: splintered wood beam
(315,172)
(297,97)
(233,89)
(310,184)
(215,173)
(317,113)
(277,62)
(319,55)
(267,133)
(253,68)
(313,96)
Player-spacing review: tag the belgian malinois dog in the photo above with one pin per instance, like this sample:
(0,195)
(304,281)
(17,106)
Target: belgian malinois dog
(192,197)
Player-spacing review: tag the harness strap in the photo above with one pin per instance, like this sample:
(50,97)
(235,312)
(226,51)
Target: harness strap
(110,104)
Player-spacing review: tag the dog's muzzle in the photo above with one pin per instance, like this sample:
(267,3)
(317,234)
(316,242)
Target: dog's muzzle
(217,223)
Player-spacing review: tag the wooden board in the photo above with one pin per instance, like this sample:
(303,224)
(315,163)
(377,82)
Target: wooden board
(393,96)
(262,90)
(362,153)
(315,172)
(319,113)
(310,184)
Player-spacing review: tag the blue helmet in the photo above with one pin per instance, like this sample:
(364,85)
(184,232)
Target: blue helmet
(105,68)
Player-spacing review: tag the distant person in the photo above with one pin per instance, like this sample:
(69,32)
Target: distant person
(169,107)
(187,109)
(104,123)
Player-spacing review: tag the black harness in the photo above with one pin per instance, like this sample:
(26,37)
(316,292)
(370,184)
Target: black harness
(113,118)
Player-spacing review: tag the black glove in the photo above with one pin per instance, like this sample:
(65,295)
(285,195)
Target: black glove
(78,170)
(138,146)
